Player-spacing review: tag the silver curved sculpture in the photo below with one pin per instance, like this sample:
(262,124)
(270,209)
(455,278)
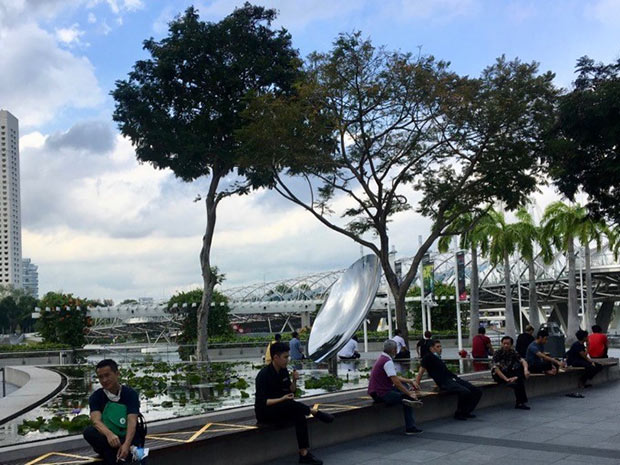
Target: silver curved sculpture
(346,307)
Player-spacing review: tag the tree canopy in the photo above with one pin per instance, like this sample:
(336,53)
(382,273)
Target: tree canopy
(584,147)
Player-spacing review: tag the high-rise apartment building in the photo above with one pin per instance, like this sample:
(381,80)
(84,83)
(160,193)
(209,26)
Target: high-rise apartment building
(30,279)
(10,210)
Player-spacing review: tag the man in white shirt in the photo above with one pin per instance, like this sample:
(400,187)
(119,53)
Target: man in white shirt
(402,351)
(349,351)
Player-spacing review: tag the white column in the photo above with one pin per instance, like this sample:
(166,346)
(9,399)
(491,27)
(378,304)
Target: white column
(459,330)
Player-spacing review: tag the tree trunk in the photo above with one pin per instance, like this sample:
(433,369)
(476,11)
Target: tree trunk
(208,278)
(509,313)
(474,299)
(590,317)
(573,308)
(533,301)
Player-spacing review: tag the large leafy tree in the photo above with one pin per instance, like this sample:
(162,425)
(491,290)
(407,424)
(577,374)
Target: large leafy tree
(182,105)
(584,150)
(404,128)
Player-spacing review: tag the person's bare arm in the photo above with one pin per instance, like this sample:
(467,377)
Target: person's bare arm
(132,422)
(396,381)
(271,402)
(526,368)
(547,358)
(490,348)
(113,440)
(419,377)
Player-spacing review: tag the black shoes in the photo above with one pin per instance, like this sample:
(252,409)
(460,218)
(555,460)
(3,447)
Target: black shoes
(460,416)
(522,407)
(325,418)
(311,459)
(412,431)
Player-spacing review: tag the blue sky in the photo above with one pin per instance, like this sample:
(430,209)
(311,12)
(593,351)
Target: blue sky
(100,225)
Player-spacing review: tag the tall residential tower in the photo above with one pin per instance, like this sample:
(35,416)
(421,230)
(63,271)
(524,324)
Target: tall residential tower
(10,210)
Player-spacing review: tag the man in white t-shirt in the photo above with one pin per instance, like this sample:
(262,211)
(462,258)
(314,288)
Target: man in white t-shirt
(349,351)
(402,351)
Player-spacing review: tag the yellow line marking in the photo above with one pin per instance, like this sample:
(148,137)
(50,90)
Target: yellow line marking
(199,432)
(82,458)
(165,439)
(170,434)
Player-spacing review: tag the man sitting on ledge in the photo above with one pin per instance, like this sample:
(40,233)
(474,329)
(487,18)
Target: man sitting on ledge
(468,394)
(510,368)
(578,357)
(274,402)
(114,411)
(387,387)
(537,360)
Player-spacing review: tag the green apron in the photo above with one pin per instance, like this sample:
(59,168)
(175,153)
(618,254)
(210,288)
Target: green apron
(114,416)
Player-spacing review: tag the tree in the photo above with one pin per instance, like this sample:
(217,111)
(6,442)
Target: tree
(63,319)
(444,314)
(404,127)
(501,241)
(530,236)
(560,225)
(584,147)
(182,106)
(470,238)
(16,308)
(188,302)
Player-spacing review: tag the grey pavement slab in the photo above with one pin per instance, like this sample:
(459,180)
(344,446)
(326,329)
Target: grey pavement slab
(558,430)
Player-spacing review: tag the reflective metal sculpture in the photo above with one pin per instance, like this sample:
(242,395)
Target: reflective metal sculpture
(346,307)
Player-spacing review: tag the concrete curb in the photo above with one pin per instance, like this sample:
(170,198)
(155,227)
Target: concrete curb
(36,385)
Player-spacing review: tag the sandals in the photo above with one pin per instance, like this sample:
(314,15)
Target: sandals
(575,395)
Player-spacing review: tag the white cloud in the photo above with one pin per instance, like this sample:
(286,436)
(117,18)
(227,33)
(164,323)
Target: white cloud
(69,35)
(92,19)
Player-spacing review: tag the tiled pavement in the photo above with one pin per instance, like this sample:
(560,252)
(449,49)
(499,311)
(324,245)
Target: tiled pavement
(558,430)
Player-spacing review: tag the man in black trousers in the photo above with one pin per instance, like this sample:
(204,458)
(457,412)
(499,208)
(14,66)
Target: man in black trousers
(274,402)
(468,394)
(510,369)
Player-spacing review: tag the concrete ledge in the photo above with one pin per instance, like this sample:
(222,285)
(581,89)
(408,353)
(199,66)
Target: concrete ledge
(36,385)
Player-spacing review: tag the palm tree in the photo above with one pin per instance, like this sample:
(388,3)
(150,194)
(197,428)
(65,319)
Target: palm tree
(528,237)
(587,230)
(501,243)
(470,238)
(560,226)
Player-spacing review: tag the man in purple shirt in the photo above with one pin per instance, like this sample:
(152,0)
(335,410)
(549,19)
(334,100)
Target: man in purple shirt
(387,387)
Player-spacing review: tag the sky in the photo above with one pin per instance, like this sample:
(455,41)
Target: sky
(101,225)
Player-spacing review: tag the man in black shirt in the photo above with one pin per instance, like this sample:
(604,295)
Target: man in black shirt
(424,344)
(274,402)
(578,357)
(468,394)
(510,368)
(114,411)
(524,340)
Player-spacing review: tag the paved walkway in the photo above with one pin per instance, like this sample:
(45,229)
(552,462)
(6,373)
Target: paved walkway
(558,429)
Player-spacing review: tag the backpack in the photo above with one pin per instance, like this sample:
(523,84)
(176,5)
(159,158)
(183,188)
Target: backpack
(141,431)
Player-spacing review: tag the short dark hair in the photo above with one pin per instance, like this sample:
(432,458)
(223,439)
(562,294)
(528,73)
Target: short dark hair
(107,362)
(508,337)
(277,337)
(278,348)
(428,334)
(529,328)
(397,332)
(435,342)
(481,330)
(597,329)
(294,334)
(542,333)
(581,335)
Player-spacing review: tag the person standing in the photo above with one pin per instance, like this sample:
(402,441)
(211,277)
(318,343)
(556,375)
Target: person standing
(597,343)
(297,352)
(114,411)
(274,402)
(402,351)
(468,394)
(578,357)
(510,368)
(387,387)
(424,344)
(524,340)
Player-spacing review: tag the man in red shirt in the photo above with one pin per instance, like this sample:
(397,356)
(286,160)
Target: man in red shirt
(597,343)
(481,345)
